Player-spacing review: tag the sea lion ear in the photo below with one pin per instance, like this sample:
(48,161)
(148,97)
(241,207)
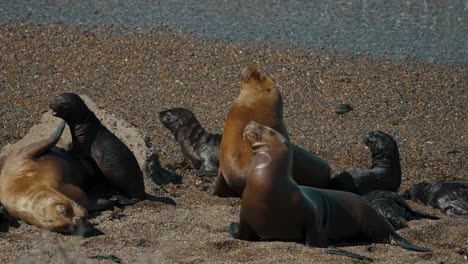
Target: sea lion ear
(251,72)
(60,209)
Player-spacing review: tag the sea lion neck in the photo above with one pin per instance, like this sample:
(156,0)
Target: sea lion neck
(190,131)
(84,130)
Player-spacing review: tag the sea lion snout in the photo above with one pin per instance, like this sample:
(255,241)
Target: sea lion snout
(251,132)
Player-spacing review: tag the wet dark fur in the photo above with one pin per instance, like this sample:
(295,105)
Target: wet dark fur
(384,173)
(199,148)
(394,208)
(96,145)
(449,196)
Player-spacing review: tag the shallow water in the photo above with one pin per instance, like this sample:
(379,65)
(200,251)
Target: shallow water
(429,30)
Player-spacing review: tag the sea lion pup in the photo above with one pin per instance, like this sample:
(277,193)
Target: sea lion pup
(275,207)
(91,140)
(39,186)
(449,196)
(199,148)
(394,208)
(260,101)
(384,173)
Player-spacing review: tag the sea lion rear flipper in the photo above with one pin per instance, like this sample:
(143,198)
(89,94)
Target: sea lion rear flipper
(401,242)
(414,214)
(456,210)
(341,252)
(36,149)
(221,188)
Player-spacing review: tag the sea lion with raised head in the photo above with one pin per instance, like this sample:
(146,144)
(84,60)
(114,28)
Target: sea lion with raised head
(275,207)
(260,101)
(199,147)
(395,208)
(39,185)
(384,173)
(449,196)
(92,141)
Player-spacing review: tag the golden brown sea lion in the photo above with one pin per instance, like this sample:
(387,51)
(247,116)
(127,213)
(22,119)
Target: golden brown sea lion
(260,101)
(274,207)
(39,186)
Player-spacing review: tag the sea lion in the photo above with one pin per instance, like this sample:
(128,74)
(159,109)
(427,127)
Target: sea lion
(449,196)
(260,101)
(199,148)
(384,173)
(394,208)
(91,140)
(275,207)
(39,186)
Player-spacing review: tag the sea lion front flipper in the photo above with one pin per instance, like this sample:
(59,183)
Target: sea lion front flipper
(221,188)
(455,210)
(76,194)
(243,231)
(36,149)
(315,237)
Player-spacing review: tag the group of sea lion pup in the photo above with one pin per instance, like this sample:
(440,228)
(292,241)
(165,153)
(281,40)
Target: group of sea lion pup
(287,193)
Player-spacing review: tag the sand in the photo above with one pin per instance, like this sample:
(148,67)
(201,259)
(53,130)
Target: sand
(132,76)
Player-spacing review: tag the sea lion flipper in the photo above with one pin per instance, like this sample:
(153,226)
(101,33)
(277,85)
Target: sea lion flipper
(402,242)
(411,213)
(243,231)
(316,237)
(221,188)
(36,149)
(454,209)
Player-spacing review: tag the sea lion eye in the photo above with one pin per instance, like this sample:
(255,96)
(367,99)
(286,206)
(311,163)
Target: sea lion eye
(61,209)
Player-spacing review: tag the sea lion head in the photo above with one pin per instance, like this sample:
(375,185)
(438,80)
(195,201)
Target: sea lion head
(176,118)
(61,214)
(69,106)
(252,79)
(420,192)
(271,150)
(262,138)
(382,146)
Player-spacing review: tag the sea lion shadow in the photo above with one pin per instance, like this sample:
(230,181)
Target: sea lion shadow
(161,199)
(159,175)
(7,221)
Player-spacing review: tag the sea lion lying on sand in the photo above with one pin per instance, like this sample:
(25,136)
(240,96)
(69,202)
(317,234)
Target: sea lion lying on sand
(449,196)
(275,207)
(39,185)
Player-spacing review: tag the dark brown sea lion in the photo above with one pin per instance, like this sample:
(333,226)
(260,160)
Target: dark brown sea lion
(260,101)
(199,148)
(91,140)
(40,186)
(274,207)
(394,208)
(384,173)
(449,196)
